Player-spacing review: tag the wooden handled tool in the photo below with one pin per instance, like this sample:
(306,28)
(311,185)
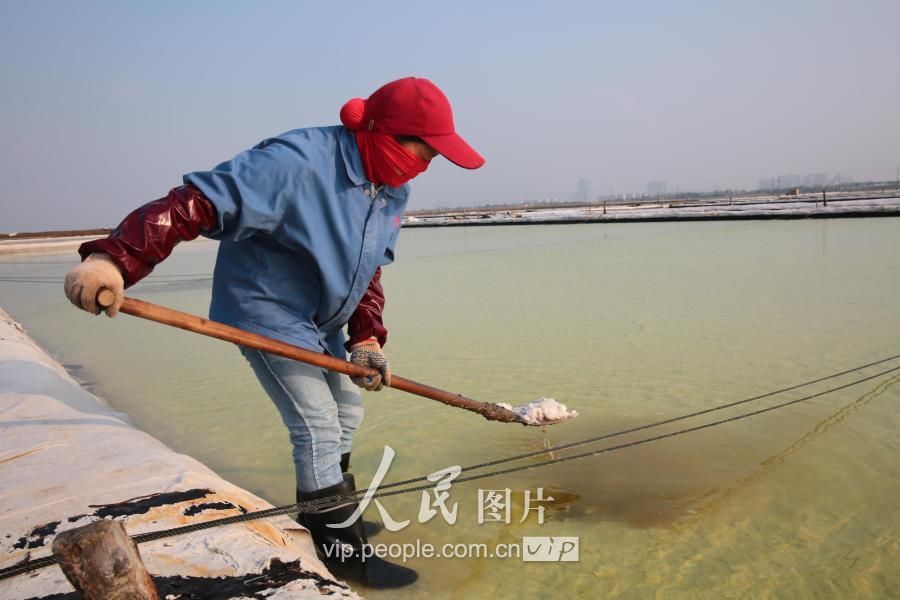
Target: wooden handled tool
(182,320)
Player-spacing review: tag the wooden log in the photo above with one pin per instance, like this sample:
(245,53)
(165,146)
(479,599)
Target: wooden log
(103,563)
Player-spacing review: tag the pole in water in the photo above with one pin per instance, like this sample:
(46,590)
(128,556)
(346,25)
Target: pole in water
(195,324)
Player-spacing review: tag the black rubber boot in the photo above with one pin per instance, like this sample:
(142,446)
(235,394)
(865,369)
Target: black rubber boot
(341,548)
(372,528)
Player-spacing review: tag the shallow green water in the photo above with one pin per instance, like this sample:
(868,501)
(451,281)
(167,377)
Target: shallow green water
(627,323)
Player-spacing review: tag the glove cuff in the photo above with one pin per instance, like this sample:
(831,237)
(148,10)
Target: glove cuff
(369,344)
(104,258)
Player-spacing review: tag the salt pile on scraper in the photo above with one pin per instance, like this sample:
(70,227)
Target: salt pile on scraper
(542,410)
(67,460)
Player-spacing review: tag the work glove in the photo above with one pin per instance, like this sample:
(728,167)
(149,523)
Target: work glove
(368,354)
(85,281)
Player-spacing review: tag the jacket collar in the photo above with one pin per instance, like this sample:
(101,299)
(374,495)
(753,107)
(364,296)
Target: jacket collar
(355,170)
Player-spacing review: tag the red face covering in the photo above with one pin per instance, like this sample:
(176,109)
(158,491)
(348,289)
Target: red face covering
(386,161)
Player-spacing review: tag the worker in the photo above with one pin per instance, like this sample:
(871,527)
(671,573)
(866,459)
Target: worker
(305,221)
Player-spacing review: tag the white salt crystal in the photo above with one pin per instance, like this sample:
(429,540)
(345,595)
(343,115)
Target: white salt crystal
(541,411)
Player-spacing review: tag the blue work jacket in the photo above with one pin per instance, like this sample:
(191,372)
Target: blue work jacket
(302,232)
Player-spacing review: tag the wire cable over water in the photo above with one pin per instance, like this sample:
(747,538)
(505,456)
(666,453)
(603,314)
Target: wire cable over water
(312,505)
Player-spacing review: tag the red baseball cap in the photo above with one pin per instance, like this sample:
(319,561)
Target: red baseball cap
(412,106)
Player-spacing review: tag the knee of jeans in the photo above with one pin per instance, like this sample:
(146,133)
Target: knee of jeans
(310,431)
(351,418)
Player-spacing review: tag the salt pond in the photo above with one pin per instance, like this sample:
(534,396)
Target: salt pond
(627,324)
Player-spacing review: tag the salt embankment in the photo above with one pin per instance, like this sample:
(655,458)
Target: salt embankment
(736,209)
(36,246)
(43,245)
(66,460)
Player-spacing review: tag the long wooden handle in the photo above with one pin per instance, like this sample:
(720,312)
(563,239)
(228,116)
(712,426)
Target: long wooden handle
(189,322)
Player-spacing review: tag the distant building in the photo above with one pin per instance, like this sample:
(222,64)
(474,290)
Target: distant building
(584,190)
(656,188)
(816,180)
(766,183)
(838,179)
(788,182)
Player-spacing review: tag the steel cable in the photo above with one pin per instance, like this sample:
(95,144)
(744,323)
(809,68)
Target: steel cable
(321,503)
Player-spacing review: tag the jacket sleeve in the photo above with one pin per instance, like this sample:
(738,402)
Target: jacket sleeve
(366,319)
(258,190)
(149,234)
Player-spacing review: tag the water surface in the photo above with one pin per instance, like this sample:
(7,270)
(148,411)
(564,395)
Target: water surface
(627,323)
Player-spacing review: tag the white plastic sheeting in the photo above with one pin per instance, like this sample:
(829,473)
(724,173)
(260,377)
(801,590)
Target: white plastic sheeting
(63,455)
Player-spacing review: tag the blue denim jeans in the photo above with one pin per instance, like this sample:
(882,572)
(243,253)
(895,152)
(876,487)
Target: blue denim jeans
(321,409)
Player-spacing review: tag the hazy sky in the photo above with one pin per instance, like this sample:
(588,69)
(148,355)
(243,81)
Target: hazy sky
(104,105)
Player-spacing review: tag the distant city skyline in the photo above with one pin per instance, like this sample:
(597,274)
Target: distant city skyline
(777,182)
(781,182)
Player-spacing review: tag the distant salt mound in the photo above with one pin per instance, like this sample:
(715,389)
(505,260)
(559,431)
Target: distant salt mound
(541,411)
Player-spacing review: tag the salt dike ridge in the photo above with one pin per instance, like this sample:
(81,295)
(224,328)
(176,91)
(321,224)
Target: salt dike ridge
(808,206)
(66,460)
